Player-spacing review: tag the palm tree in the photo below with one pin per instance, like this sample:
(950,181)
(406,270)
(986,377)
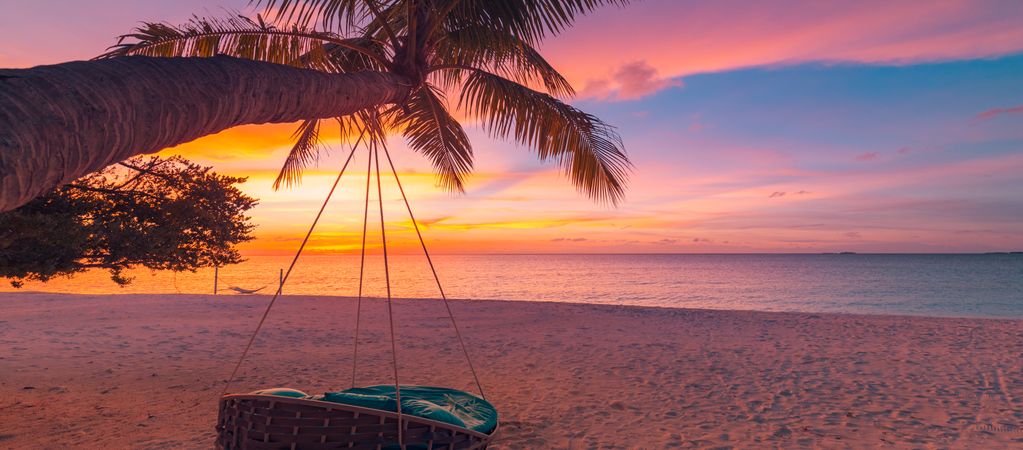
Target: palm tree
(371,66)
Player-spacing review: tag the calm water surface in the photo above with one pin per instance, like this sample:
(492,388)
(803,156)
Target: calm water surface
(936,285)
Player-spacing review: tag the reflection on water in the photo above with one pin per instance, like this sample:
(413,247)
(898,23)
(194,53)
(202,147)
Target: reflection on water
(955,285)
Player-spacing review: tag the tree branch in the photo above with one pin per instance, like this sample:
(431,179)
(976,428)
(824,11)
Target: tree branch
(113,191)
(138,175)
(149,170)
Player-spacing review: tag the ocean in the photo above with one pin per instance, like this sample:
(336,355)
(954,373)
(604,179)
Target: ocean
(988,285)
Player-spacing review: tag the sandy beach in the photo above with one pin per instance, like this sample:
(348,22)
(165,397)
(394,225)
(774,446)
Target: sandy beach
(138,371)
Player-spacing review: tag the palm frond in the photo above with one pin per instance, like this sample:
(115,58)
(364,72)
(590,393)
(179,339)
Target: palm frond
(305,152)
(590,151)
(531,20)
(305,13)
(340,59)
(241,37)
(368,127)
(383,22)
(502,53)
(429,129)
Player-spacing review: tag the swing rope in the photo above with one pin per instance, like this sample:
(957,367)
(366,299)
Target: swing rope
(277,294)
(390,311)
(362,270)
(372,165)
(422,242)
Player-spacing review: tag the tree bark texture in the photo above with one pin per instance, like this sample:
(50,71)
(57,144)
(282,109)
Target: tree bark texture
(62,121)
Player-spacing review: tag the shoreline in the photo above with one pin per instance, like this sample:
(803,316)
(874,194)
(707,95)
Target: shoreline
(146,371)
(265,298)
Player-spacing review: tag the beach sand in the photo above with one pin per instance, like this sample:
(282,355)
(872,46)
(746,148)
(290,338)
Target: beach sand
(145,371)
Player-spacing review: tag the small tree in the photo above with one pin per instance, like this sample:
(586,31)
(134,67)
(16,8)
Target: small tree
(160,213)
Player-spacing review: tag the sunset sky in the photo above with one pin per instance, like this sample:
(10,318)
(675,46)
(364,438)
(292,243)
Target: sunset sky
(783,126)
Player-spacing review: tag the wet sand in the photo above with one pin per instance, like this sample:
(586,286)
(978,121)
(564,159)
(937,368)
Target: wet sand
(145,371)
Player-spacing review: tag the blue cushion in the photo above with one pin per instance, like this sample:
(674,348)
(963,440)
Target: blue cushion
(381,402)
(451,406)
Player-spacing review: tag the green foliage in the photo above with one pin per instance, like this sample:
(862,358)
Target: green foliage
(480,50)
(159,213)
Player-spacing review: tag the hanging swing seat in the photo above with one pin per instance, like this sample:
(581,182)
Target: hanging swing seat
(366,418)
(359,418)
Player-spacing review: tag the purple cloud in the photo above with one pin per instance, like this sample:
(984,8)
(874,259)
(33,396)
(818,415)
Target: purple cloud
(869,156)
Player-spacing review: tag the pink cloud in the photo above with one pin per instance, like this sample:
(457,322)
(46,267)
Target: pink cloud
(638,79)
(999,111)
(630,81)
(869,156)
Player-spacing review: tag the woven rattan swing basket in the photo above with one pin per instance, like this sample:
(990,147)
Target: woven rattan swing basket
(265,422)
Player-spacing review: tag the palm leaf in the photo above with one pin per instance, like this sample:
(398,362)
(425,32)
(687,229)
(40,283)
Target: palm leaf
(340,59)
(367,127)
(429,129)
(590,151)
(530,20)
(348,13)
(502,53)
(244,38)
(305,152)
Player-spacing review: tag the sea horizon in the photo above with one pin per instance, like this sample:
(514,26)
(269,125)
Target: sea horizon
(938,285)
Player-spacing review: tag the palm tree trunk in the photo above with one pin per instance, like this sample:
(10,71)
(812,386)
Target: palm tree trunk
(63,121)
